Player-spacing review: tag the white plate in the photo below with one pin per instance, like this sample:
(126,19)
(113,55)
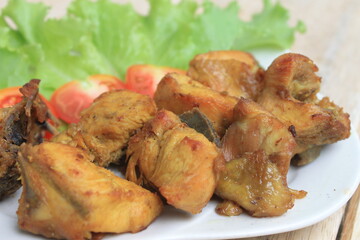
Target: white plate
(330,181)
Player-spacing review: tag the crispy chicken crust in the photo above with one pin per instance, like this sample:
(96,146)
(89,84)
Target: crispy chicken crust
(106,126)
(66,196)
(234,72)
(178,161)
(179,94)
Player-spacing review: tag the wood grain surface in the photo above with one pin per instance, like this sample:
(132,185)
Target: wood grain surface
(331,40)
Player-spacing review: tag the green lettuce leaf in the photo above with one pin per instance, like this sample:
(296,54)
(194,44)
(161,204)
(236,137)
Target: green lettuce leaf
(102,37)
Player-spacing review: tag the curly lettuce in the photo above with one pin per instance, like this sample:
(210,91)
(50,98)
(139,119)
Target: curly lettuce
(103,37)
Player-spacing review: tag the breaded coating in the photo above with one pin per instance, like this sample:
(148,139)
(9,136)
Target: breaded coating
(235,72)
(65,196)
(106,126)
(25,122)
(179,94)
(290,91)
(179,162)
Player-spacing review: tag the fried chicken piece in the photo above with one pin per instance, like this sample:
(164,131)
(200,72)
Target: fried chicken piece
(254,182)
(307,156)
(228,208)
(106,126)
(290,91)
(234,72)
(179,94)
(24,122)
(67,196)
(179,162)
(258,148)
(256,129)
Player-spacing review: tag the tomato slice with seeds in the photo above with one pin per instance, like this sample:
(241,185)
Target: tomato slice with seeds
(11,96)
(73,97)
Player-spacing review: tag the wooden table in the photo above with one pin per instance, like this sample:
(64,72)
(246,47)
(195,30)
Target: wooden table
(331,40)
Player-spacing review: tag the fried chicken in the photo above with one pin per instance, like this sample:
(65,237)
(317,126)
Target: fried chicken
(291,85)
(179,162)
(25,122)
(254,183)
(257,148)
(234,72)
(179,94)
(256,129)
(66,196)
(105,127)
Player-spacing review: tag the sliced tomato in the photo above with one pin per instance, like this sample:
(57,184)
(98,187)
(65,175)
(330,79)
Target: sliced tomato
(73,97)
(144,78)
(109,81)
(11,96)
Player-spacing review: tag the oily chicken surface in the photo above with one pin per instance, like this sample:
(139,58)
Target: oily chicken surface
(25,122)
(179,162)
(291,85)
(179,94)
(257,148)
(254,183)
(235,72)
(256,129)
(66,196)
(105,127)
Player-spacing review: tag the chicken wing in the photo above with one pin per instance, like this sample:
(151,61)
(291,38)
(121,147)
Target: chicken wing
(178,161)
(24,122)
(106,126)
(67,196)
(179,94)
(290,91)
(234,72)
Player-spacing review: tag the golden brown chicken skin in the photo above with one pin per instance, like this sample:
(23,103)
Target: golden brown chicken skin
(179,162)
(106,126)
(234,72)
(65,196)
(179,94)
(257,148)
(290,91)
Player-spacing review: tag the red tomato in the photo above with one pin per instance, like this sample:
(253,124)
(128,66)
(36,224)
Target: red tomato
(108,81)
(145,78)
(11,96)
(73,97)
